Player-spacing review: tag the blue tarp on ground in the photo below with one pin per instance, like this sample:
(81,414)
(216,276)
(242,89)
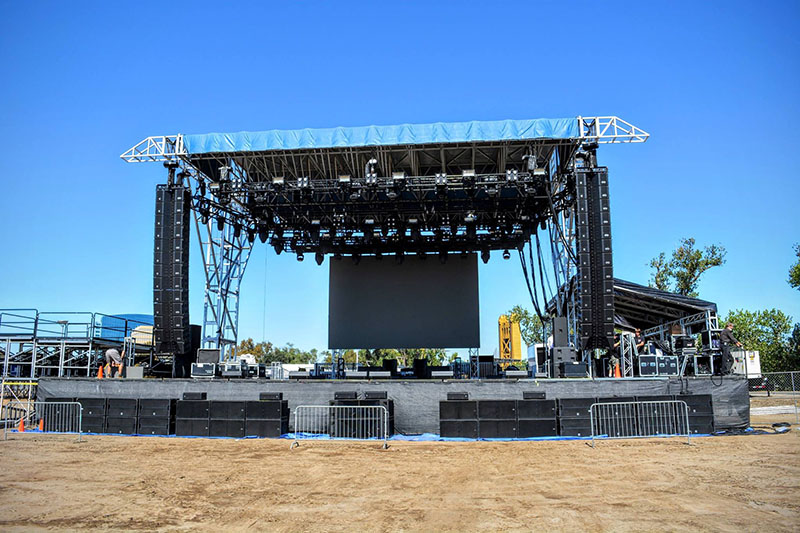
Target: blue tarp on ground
(439,132)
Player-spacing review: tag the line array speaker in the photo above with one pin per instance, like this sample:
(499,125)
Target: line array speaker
(171,271)
(595,266)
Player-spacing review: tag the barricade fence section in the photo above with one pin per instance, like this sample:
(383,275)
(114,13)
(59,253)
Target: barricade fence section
(779,386)
(628,420)
(341,422)
(55,417)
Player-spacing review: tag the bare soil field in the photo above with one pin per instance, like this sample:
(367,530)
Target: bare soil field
(731,483)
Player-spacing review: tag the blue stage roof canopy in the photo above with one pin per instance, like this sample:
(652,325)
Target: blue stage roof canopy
(403,134)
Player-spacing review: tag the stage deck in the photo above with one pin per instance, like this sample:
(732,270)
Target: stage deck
(416,401)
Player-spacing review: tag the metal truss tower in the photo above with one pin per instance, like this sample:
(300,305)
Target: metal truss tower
(225,256)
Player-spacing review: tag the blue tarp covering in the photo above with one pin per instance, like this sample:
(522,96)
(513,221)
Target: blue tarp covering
(439,132)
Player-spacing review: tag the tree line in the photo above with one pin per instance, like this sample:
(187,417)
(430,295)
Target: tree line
(266,352)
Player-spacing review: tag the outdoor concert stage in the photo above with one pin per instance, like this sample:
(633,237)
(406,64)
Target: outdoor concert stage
(416,401)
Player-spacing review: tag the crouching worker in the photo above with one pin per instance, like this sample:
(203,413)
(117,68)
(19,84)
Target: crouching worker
(114,359)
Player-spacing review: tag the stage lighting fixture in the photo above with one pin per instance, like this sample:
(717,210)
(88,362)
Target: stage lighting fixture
(369,221)
(506,254)
(204,217)
(491,191)
(512,175)
(344,179)
(300,257)
(262,235)
(485,256)
(441,180)
(220,222)
(251,236)
(371,179)
(303,182)
(319,258)
(391,195)
(214,186)
(398,176)
(470,217)
(277,181)
(237,230)
(468,173)
(201,186)
(355,195)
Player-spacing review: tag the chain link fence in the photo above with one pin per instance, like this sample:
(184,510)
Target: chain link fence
(779,386)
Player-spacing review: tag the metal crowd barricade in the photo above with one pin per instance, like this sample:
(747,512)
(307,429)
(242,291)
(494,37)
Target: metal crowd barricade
(362,422)
(56,417)
(629,420)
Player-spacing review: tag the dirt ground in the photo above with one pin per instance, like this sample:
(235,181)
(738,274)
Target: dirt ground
(731,483)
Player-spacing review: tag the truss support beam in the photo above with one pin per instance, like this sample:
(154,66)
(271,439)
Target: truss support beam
(158,148)
(225,257)
(610,130)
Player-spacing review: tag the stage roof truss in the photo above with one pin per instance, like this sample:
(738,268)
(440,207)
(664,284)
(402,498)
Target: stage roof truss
(601,129)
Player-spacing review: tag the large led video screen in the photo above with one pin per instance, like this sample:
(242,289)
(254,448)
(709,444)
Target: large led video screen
(415,304)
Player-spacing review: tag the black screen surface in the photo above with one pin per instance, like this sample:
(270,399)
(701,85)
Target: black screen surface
(416,304)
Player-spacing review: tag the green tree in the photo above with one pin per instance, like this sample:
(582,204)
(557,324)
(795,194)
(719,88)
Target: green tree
(794,270)
(768,332)
(681,273)
(661,273)
(265,352)
(530,326)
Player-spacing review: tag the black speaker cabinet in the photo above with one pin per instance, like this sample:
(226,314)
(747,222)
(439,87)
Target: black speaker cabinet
(575,427)
(560,331)
(533,395)
(122,407)
(156,408)
(197,409)
(531,409)
(701,425)
(537,428)
(122,425)
(226,410)
(497,409)
(698,404)
(195,396)
(459,428)
(93,406)
(191,427)
(93,424)
(497,429)
(156,426)
(266,410)
(270,396)
(226,428)
(266,428)
(376,395)
(458,396)
(575,407)
(458,410)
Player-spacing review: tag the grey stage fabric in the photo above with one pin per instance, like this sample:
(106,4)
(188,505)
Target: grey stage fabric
(416,402)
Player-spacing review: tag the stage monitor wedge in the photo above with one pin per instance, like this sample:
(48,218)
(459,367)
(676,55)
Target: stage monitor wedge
(415,304)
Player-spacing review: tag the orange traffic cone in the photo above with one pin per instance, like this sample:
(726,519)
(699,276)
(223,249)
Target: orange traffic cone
(100,372)
(21,426)
(617,373)
(41,424)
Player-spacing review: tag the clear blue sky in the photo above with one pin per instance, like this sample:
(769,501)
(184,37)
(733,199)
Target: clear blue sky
(715,83)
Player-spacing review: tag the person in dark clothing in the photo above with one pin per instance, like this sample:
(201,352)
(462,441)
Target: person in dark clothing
(638,340)
(726,340)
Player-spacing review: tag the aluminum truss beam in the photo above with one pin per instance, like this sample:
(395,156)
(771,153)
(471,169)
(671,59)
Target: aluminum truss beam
(604,130)
(225,257)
